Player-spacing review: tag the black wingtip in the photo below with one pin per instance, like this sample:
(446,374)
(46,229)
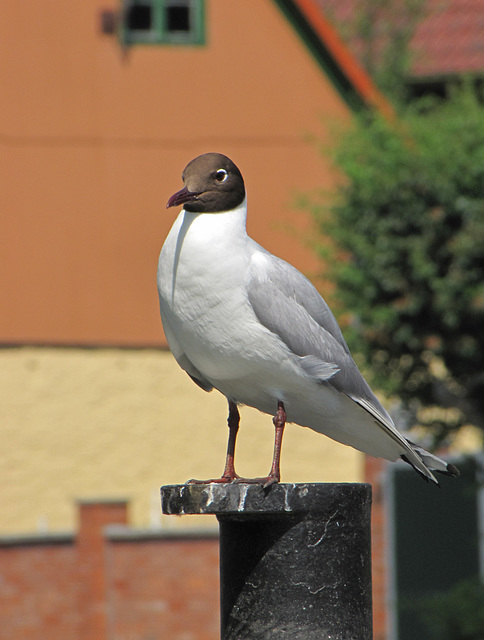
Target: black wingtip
(451,470)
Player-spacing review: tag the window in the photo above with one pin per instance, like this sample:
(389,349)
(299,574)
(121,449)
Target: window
(163,22)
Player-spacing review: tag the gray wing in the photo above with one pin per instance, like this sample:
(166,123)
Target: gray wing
(194,373)
(288,304)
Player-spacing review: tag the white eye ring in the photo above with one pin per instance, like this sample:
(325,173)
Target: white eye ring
(221,175)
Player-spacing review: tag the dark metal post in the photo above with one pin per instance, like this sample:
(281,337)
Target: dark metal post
(295,559)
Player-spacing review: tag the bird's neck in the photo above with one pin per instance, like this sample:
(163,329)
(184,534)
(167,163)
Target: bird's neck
(223,226)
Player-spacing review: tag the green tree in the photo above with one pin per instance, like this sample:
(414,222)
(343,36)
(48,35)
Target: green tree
(407,256)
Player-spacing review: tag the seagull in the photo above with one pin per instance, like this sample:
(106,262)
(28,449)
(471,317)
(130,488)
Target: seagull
(245,322)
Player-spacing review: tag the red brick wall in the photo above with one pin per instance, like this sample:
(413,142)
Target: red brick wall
(164,590)
(93,581)
(104,583)
(38,592)
(374,468)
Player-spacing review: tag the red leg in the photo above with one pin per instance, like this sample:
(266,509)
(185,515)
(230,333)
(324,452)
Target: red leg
(274,476)
(229,474)
(233,421)
(279,421)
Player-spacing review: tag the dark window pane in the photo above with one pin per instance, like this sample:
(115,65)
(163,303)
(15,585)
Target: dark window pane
(178,19)
(139,17)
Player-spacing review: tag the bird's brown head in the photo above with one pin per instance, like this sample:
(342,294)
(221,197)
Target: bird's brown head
(213,184)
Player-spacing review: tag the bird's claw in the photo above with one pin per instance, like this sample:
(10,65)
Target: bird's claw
(222,480)
(264,482)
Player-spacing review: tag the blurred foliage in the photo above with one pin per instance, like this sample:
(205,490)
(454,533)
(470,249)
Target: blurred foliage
(457,614)
(407,256)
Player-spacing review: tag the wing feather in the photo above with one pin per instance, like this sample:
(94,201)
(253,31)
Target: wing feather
(287,304)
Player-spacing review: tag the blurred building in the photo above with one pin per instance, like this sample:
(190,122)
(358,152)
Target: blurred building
(438,41)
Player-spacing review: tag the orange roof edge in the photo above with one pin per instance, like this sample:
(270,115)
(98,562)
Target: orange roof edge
(348,64)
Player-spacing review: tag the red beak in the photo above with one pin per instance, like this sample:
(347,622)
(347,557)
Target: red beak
(182,196)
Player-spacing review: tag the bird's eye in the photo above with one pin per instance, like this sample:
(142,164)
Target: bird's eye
(221,175)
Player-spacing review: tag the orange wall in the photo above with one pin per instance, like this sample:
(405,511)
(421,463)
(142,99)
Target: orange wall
(93,140)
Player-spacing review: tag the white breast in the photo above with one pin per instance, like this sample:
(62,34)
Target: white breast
(202,275)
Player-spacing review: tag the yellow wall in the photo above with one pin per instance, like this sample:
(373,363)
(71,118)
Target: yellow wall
(79,423)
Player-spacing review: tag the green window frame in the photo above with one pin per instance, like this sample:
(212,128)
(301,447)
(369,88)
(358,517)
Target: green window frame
(169,22)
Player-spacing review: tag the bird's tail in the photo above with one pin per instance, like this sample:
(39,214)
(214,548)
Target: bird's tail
(427,462)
